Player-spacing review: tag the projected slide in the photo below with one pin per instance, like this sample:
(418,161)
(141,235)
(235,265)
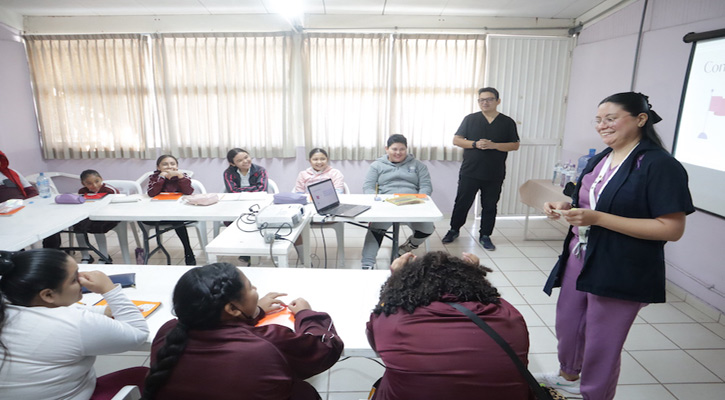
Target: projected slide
(701,134)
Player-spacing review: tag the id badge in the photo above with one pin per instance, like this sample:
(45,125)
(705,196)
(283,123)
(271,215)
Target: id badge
(584,234)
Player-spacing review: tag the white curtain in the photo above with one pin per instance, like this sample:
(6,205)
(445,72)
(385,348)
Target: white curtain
(346,93)
(92,95)
(435,85)
(219,91)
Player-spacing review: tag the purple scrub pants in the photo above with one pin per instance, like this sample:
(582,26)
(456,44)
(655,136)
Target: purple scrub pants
(591,331)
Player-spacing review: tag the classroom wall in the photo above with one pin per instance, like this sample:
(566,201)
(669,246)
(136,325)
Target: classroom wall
(602,65)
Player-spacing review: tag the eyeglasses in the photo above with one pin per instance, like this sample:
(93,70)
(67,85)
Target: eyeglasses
(606,121)
(487,100)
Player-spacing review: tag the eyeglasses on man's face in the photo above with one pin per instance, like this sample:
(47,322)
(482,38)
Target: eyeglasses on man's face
(486,100)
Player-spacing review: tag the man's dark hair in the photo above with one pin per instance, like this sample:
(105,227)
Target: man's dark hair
(490,90)
(397,138)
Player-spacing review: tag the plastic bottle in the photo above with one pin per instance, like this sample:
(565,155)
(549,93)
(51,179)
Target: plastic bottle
(557,171)
(43,184)
(565,174)
(583,163)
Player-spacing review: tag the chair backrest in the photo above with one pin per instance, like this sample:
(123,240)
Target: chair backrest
(53,189)
(272,187)
(198,187)
(143,179)
(125,187)
(128,392)
(345,188)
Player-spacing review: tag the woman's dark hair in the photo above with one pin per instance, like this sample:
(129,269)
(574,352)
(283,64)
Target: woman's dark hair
(25,274)
(490,90)
(161,158)
(233,153)
(92,172)
(317,150)
(427,279)
(199,300)
(397,138)
(635,104)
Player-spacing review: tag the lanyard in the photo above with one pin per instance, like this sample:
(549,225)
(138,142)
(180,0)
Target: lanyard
(593,195)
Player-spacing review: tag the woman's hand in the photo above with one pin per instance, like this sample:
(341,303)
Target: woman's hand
(549,208)
(401,261)
(471,258)
(270,303)
(298,305)
(581,216)
(96,281)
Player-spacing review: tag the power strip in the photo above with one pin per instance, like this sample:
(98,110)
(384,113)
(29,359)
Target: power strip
(269,237)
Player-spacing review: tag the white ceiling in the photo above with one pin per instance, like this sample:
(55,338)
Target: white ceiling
(565,12)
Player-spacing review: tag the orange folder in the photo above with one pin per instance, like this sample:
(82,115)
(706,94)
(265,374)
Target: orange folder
(167,196)
(13,211)
(284,318)
(146,307)
(418,195)
(94,196)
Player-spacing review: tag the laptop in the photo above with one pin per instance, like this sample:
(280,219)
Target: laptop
(326,202)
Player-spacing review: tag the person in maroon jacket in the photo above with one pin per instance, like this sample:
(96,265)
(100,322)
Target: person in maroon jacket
(168,178)
(93,184)
(215,351)
(433,351)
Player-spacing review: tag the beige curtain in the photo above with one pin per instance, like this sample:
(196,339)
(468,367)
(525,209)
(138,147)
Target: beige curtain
(92,95)
(219,91)
(346,93)
(434,86)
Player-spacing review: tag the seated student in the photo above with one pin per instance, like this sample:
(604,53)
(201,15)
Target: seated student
(319,171)
(168,178)
(14,186)
(433,351)
(242,175)
(215,351)
(48,342)
(93,184)
(396,172)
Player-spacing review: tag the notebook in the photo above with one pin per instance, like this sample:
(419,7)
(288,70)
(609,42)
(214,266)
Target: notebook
(326,202)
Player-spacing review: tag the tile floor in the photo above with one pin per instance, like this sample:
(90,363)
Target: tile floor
(675,350)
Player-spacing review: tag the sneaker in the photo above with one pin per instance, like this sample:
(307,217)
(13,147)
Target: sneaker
(450,236)
(406,247)
(87,260)
(486,242)
(365,266)
(554,380)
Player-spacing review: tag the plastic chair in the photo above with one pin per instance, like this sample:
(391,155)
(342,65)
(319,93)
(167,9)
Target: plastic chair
(272,187)
(124,187)
(128,392)
(163,228)
(53,189)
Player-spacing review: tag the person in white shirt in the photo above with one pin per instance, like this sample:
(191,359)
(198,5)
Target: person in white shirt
(48,342)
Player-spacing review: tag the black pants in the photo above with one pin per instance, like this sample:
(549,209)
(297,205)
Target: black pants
(490,193)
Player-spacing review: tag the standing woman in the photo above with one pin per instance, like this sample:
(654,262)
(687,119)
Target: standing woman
(242,175)
(632,199)
(319,171)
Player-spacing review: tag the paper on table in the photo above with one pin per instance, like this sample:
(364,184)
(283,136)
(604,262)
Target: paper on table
(167,196)
(243,196)
(10,207)
(146,307)
(284,318)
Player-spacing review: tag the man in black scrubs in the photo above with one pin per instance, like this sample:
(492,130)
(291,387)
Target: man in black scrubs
(486,138)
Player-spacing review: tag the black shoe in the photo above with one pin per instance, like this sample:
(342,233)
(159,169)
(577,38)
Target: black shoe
(245,260)
(190,259)
(450,236)
(486,242)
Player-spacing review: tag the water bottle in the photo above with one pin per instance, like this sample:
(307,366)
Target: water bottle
(565,174)
(43,184)
(583,160)
(557,171)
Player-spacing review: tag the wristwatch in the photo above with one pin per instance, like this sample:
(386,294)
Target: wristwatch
(473,146)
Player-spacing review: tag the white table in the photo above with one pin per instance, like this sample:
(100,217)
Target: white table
(233,241)
(347,295)
(42,218)
(383,211)
(149,210)
(534,193)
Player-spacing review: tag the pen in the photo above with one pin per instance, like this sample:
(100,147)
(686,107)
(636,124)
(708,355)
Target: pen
(377,198)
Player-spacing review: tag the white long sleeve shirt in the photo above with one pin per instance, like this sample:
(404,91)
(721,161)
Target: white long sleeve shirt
(51,351)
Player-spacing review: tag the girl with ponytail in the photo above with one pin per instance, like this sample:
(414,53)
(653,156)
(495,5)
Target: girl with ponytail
(214,350)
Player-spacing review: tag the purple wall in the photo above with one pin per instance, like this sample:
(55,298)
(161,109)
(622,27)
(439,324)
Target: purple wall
(602,64)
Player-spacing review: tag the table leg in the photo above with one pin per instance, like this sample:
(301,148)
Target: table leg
(307,257)
(396,231)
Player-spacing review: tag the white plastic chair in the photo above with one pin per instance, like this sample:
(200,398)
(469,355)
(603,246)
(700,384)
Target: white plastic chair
(124,187)
(53,189)
(128,392)
(199,225)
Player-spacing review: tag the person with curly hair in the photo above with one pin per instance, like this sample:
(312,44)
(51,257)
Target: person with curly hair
(432,350)
(215,351)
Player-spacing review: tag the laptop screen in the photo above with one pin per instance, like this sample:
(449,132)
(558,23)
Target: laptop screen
(323,194)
